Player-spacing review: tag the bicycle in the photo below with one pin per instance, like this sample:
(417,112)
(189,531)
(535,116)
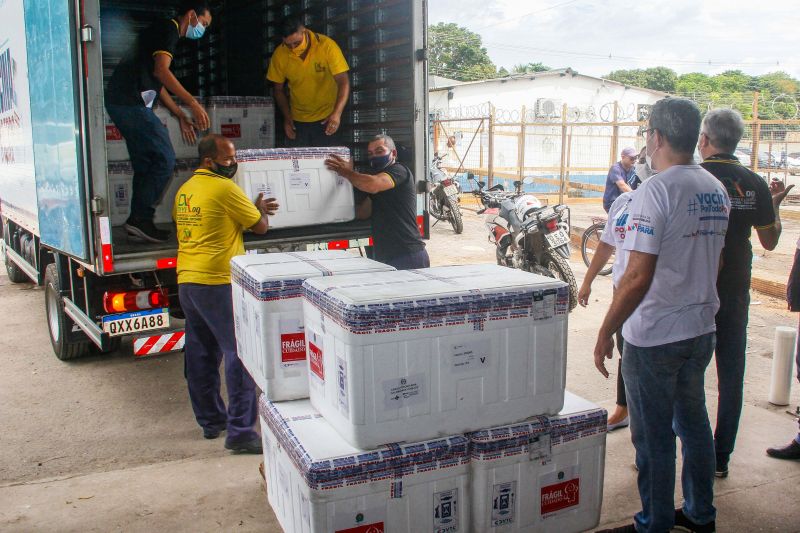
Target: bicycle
(589,242)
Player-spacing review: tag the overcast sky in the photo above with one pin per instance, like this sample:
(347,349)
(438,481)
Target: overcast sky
(753,36)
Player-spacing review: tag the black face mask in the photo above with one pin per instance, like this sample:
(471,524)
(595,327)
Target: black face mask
(228,171)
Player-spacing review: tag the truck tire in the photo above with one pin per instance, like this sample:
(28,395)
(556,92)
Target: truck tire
(59,324)
(15,274)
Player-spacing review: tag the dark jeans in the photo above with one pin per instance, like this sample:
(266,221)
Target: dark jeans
(410,261)
(666,398)
(313,134)
(210,337)
(151,153)
(731,322)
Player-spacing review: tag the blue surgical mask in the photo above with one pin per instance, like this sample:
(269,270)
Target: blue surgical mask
(195,31)
(379,162)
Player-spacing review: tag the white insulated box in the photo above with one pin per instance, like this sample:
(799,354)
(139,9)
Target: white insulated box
(248,121)
(308,193)
(416,354)
(268,313)
(318,483)
(541,475)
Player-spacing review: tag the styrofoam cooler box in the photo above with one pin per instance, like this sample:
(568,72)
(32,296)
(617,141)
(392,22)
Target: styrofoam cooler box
(317,482)
(415,354)
(248,121)
(542,475)
(308,193)
(268,313)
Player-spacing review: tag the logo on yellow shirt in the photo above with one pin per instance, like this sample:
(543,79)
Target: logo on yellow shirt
(184,205)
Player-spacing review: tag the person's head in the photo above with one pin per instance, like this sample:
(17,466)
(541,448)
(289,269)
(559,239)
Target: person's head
(721,131)
(627,157)
(293,33)
(672,132)
(195,18)
(381,151)
(217,154)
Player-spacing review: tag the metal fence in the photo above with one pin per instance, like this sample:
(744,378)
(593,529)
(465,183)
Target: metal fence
(568,151)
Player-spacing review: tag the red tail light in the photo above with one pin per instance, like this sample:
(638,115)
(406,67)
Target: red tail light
(447,182)
(552,224)
(121,302)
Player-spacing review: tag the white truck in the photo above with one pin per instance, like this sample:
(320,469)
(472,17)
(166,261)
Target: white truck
(55,194)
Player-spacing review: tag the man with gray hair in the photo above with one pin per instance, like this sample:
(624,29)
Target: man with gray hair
(752,206)
(390,202)
(667,300)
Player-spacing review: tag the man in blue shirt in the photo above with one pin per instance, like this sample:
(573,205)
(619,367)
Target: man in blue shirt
(619,177)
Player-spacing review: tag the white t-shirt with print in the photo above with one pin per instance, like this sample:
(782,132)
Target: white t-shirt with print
(681,215)
(614,234)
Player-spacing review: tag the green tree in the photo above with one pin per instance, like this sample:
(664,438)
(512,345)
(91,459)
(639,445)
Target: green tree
(656,78)
(527,68)
(695,83)
(457,53)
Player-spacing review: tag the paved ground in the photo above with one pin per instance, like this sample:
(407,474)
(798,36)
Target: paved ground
(109,443)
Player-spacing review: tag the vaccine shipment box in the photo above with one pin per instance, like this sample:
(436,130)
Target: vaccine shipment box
(417,354)
(117,150)
(248,121)
(541,475)
(308,193)
(318,483)
(268,313)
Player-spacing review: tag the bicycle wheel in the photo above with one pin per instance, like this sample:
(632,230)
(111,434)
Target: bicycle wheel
(590,242)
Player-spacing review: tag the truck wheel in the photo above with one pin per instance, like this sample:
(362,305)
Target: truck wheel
(15,274)
(59,324)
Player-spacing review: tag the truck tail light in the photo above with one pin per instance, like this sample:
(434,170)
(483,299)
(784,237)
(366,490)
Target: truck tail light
(121,302)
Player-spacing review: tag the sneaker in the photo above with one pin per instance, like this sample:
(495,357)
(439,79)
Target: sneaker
(212,432)
(630,528)
(249,446)
(146,231)
(791,451)
(682,523)
(721,471)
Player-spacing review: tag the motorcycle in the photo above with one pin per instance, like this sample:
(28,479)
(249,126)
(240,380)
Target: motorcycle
(527,235)
(443,199)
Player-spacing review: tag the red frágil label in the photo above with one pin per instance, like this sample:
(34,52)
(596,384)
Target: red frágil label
(315,361)
(232,131)
(293,347)
(560,496)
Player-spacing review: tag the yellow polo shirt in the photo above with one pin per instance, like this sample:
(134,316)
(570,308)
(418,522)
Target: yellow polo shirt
(210,212)
(312,89)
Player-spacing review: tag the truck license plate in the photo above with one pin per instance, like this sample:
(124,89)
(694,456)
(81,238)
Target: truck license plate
(557,238)
(125,323)
(451,190)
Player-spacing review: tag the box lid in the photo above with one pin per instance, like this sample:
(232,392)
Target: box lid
(282,154)
(578,418)
(327,461)
(435,297)
(280,275)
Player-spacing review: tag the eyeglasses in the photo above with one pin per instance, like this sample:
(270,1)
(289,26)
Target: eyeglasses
(644,132)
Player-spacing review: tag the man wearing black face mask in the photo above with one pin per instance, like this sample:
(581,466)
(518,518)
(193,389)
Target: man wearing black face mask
(210,213)
(391,204)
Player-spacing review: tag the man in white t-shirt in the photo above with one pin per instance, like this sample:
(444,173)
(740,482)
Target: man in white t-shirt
(667,300)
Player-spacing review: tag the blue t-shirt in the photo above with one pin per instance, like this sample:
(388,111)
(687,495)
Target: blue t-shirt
(615,174)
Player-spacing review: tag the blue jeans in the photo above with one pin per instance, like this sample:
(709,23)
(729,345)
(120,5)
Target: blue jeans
(664,385)
(731,322)
(418,259)
(151,153)
(210,337)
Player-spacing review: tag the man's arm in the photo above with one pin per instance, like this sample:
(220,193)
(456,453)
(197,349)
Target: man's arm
(279,93)
(623,186)
(363,182)
(769,235)
(601,256)
(343,93)
(168,79)
(267,207)
(187,130)
(632,288)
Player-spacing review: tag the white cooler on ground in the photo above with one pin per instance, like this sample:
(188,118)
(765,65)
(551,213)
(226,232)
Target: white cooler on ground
(268,313)
(308,193)
(541,475)
(317,482)
(416,354)
(248,121)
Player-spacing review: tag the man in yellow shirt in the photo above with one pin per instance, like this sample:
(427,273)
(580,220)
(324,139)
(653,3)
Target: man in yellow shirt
(210,213)
(309,67)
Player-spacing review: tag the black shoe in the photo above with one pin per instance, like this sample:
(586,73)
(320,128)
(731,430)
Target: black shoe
(792,451)
(249,446)
(682,523)
(146,231)
(630,528)
(721,471)
(213,432)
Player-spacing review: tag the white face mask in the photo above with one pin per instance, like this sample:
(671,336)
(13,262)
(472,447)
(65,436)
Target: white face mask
(642,170)
(649,161)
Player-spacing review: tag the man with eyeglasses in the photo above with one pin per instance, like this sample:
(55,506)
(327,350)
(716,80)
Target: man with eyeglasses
(141,79)
(619,176)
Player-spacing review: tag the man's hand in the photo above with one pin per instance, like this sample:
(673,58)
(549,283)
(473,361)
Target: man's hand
(339,165)
(584,293)
(332,123)
(187,130)
(778,191)
(267,206)
(604,349)
(289,129)
(201,120)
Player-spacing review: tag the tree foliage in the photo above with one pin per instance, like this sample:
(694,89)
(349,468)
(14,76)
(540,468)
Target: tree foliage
(457,53)
(657,78)
(527,68)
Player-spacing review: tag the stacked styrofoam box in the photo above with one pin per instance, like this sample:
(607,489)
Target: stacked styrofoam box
(306,190)
(317,482)
(248,121)
(268,313)
(117,150)
(411,355)
(541,475)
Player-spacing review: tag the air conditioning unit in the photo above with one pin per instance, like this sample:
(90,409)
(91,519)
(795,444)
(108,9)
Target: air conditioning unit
(548,108)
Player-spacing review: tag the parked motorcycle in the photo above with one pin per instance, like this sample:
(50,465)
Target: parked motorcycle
(443,198)
(527,235)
